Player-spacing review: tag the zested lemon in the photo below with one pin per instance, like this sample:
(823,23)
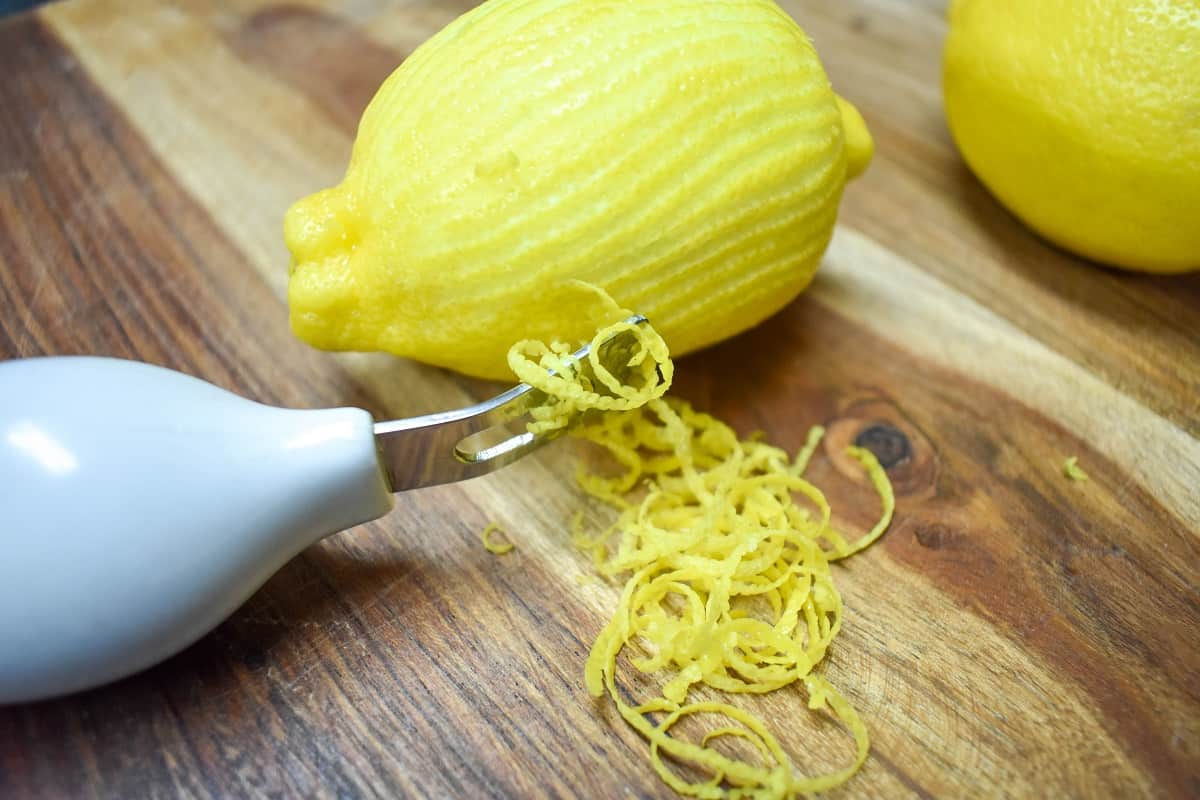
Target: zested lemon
(685,156)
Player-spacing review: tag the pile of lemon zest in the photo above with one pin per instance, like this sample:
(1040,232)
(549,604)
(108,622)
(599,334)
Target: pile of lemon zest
(1072,469)
(499,548)
(727,580)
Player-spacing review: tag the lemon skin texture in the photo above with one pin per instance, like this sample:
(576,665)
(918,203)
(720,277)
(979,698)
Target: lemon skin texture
(685,156)
(1083,118)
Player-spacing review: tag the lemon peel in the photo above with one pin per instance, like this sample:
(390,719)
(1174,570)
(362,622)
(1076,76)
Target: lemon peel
(552,370)
(1072,470)
(491,545)
(708,534)
(840,548)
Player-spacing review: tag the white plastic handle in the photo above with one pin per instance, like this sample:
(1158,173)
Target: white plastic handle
(139,507)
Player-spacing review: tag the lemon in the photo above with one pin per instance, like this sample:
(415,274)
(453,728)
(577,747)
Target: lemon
(686,157)
(1083,117)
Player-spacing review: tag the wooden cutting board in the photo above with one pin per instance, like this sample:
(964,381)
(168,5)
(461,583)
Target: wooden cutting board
(1014,633)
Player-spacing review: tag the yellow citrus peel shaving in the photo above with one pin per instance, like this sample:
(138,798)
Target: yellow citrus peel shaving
(490,544)
(1072,469)
(727,582)
(571,390)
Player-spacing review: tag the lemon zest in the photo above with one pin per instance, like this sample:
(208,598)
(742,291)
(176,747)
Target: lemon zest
(551,369)
(879,480)
(492,546)
(708,534)
(1072,469)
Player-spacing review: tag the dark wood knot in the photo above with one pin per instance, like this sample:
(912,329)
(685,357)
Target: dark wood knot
(932,537)
(875,423)
(887,442)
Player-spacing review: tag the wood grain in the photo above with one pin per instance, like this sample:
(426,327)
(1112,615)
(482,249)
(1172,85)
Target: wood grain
(1014,634)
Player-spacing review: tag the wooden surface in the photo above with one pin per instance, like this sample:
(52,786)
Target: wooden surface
(1013,634)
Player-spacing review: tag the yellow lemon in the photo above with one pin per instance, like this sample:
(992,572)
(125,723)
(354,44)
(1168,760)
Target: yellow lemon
(1083,117)
(685,156)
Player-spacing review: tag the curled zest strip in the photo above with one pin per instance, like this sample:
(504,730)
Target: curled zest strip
(551,369)
(490,544)
(1072,470)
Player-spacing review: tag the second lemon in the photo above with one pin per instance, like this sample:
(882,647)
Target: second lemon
(1083,117)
